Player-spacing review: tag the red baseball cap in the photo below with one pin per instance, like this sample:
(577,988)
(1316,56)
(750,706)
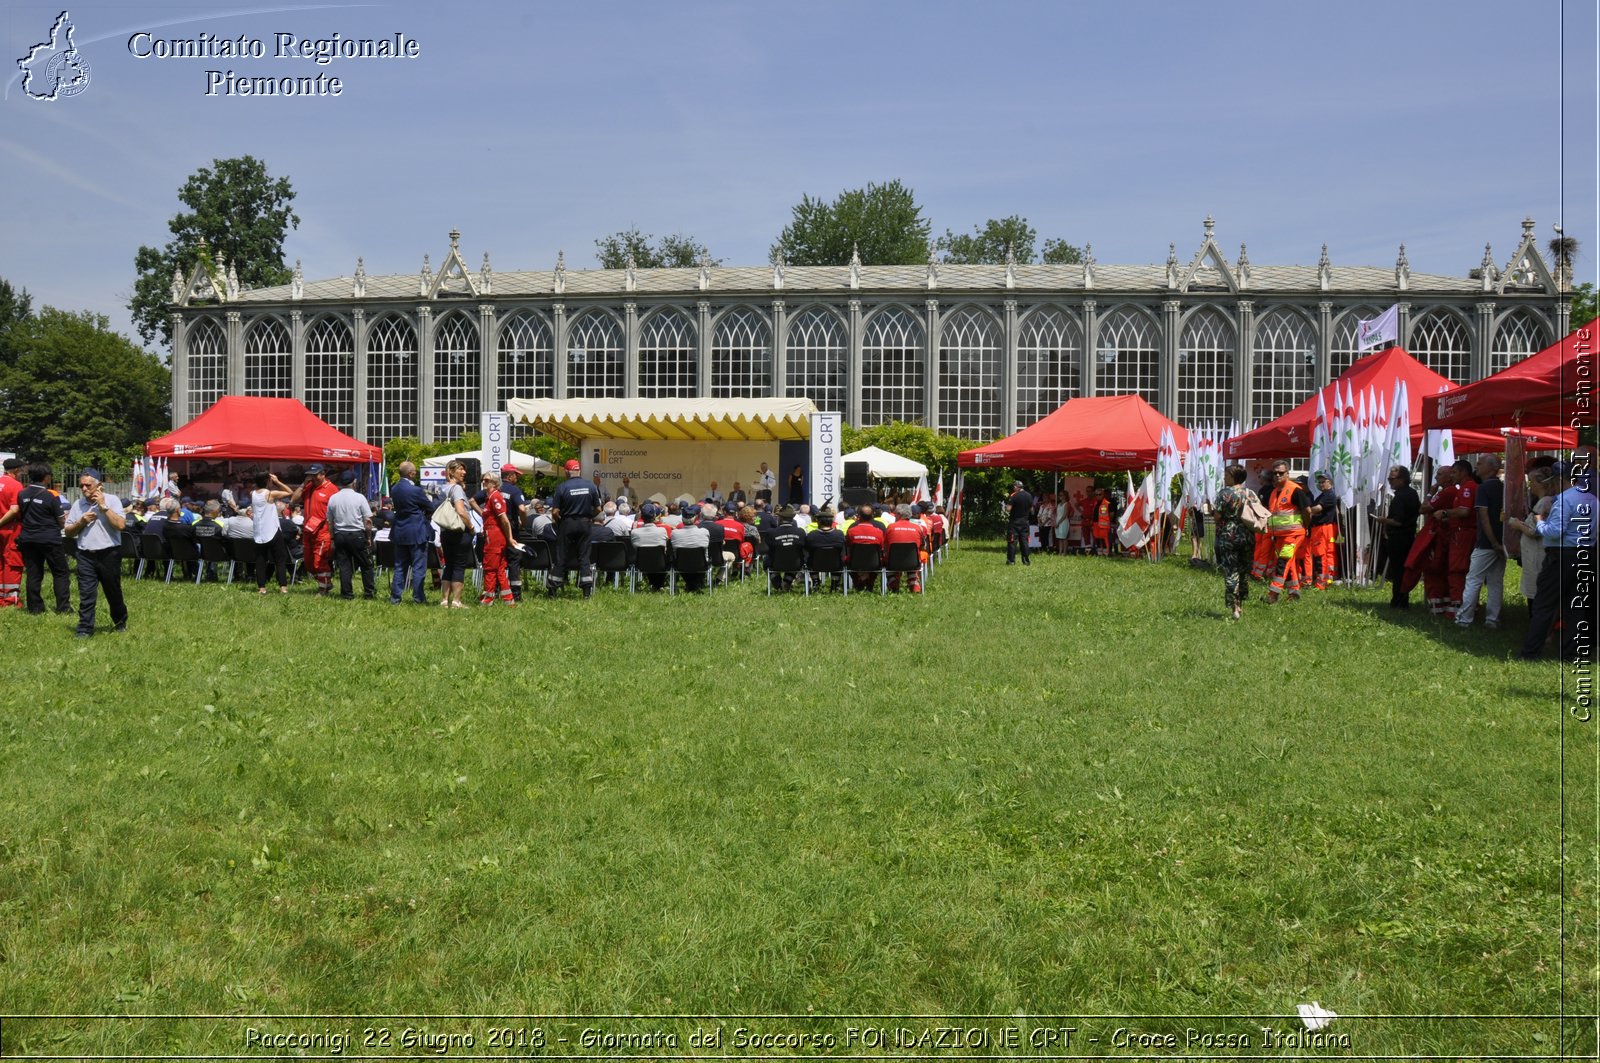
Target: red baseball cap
(508,467)
(573,466)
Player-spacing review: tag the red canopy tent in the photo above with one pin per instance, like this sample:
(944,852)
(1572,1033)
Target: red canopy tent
(242,428)
(1109,433)
(1555,386)
(1289,436)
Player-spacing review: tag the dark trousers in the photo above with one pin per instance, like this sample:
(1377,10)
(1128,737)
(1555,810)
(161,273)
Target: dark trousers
(36,557)
(274,554)
(1559,591)
(100,570)
(1395,548)
(572,540)
(410,567)
(1017,536)
(349,553)
(514,572)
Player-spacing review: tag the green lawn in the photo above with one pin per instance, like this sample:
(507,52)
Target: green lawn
(1066,789)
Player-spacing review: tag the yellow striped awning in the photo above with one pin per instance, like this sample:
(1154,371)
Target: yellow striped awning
(685,420)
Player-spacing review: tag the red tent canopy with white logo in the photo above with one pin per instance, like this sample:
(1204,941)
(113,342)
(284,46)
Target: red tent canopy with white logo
(1555,386)
(1109,433)
(1289,436)
(244,428)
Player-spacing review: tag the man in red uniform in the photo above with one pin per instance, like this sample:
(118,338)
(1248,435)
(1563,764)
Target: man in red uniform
(316,538)
(906,529)
(1435,564)
(866,535)
(1289,515)
(10,552)
(1463,537)
(497,536)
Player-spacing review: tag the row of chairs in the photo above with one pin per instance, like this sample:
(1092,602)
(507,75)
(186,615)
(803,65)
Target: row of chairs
(152,551)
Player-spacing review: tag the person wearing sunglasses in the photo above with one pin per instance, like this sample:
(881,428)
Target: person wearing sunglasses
(96,522)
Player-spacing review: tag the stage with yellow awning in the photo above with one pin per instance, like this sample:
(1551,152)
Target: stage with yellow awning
(676,447)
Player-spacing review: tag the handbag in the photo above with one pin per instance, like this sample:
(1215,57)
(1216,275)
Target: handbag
(447,517)
(1253,513)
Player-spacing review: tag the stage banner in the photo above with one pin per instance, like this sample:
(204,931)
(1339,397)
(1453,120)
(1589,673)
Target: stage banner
(672,468)
(827,445)
(496,429)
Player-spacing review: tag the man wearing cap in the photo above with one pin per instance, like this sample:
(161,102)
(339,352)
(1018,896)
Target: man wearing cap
(574,505)
(1324,533)
(647,534)
(824,536)
(906,530)
(350,517)
(691,535)
(10,552)
(96,522)
(316,539)
(516,503)
(1019,506)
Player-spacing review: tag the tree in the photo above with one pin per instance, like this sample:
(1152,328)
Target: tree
(72,389)
(15,306)
(678,249)
(1583,304)
(988,243)
(241,213)
(882,222)
(1060,253)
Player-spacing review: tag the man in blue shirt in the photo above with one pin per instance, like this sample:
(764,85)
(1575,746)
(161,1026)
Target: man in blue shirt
(411,536)
(96,521)
(1566,579)
(576,502)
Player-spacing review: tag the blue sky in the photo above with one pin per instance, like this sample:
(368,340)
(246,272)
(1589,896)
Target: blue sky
(534,127)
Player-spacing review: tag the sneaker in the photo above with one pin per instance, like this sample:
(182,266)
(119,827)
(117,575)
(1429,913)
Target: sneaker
(1272,597)
(1491,625)
(121,629)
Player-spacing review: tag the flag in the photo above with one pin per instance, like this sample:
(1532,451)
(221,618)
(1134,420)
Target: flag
(1400,427)
(1138,516)
(921,492)
(1321,440)
(938,488)
(1373,331)
(958,483)
(136,486)
(1439,444)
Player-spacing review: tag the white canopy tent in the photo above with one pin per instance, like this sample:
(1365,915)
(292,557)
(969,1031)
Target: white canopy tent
(525,463)
(885,465)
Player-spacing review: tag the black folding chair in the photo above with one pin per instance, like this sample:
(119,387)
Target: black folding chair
(866,560)
(245,552)
(786,559)
(826,561)
(691,561)
(648,561)
(214,551)
(128,549)
(182,550)
(536,558)
(610,559)
(905,559)
(153,549)
(385,554)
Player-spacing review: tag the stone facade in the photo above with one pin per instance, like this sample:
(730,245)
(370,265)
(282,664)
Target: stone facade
(978,351)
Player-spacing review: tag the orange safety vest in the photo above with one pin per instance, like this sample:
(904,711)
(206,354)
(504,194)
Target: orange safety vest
(1102,516)
(1282,514)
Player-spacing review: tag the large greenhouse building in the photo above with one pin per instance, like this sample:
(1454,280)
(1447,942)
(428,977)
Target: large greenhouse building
(977,351)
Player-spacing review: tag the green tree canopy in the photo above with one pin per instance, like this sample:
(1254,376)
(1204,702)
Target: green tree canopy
(241,212)
(678,249)
(987,243)
(15,306)
(1583,304)
(883,222)
(1060,253)
(71,389)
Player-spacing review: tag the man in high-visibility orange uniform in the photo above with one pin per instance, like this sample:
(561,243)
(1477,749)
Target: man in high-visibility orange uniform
(1324,549)
(316,537)
(1289,515)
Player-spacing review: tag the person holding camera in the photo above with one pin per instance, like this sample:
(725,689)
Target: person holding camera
(96,521)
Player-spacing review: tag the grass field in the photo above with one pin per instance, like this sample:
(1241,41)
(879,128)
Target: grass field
(1066,789)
